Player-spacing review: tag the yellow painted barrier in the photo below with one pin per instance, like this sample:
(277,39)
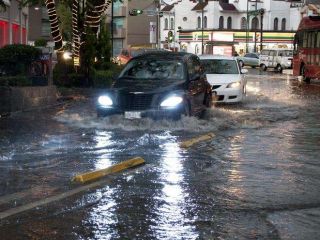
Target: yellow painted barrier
(90,176)
(189,143)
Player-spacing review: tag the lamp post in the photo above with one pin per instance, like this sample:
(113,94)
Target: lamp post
(255,29)
(202,10)
(111,29)
(247,27)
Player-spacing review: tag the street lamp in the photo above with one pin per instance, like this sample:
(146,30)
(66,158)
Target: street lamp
(202,11)
(247,27)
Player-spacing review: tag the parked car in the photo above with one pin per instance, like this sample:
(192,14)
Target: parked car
(249,59)
(158,85)
(226,78)
(278,59)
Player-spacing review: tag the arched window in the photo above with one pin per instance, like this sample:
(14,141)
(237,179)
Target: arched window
(205,22)
(229,23)
(171,23)
(283,24)
(243,23)
(166,23)
(275,24)
(199,22)
(221,20)
(255,23)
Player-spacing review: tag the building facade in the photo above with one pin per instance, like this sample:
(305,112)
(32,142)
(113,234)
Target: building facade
(39,25)
(13,24)
(131,31)
(220,26)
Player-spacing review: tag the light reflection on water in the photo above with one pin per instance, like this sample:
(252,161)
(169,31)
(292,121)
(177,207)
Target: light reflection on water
(171,221)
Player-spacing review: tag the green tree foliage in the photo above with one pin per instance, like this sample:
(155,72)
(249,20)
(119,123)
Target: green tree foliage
(65,16)
(16,59)
(40,42)
(103,47)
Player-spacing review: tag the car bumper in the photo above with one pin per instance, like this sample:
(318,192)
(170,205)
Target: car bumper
(156,114)
(228,95)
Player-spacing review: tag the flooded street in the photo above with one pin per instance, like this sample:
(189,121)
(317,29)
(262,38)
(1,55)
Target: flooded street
(257,178)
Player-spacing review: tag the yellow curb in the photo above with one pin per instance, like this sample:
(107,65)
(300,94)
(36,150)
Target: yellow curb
(189,143)
(90,176)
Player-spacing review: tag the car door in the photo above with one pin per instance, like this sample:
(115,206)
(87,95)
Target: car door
(196,85)
(272,58)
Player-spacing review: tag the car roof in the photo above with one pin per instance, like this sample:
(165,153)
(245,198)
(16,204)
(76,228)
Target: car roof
(210,56)
(162,54)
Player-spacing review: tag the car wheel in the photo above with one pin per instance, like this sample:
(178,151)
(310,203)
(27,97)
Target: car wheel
(263,67)
(279,68)
(244,91)
(304,78)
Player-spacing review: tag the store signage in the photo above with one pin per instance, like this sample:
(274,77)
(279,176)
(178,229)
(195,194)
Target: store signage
(296,5)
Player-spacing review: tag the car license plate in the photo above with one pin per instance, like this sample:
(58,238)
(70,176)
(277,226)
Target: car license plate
(132,115)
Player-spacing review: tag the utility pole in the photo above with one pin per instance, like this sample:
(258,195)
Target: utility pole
(255,29)
(202,45)
(111,29)
(247,28)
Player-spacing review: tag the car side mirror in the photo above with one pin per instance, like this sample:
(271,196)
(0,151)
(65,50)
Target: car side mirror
(244,71)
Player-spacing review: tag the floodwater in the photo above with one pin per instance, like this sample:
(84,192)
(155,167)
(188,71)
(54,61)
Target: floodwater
(258,178)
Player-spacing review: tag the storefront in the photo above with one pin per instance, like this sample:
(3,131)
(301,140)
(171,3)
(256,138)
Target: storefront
(228,42)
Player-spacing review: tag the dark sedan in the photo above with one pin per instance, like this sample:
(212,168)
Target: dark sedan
(158,85)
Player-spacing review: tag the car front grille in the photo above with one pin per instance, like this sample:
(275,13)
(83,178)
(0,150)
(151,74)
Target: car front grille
(132,101)
(215,86)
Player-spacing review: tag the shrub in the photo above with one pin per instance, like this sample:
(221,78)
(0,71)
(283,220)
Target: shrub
(16,59)
(40,42)
(15,81)
(102,79)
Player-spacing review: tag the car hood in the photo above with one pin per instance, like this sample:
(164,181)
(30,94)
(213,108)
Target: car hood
(149,86)
(222,78)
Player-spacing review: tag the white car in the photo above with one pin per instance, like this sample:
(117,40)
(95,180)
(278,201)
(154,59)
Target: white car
(226,78)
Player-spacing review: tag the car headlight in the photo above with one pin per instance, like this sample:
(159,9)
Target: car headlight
(172,101)
(234,85)
(105,101)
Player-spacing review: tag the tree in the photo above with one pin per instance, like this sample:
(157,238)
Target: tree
(103,46)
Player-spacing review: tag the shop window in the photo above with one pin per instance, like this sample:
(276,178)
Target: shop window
(221,20)
(229,23)
(243,23)
(275,24)
(199,22)
(15,33)
(283,24)
(166,23)
(4,39)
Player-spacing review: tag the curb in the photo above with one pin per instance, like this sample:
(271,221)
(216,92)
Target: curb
(192,141)
(94,175)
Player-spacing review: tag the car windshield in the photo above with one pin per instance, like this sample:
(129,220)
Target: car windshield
(153,69)
(219,66)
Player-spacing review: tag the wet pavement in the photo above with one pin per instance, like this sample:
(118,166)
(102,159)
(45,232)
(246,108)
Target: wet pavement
(258,178)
